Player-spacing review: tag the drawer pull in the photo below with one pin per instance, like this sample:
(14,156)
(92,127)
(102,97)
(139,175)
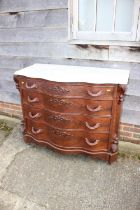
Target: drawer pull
(95,94)
(92,143)
(32,100)
(36,131)
(93,127)
(97,109)
(33,116)
(30,87)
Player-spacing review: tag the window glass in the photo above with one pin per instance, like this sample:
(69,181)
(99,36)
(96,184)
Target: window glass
(104,15)
(86,15)
(124,14)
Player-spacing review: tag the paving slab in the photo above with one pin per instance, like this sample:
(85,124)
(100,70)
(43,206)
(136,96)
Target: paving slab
(2,136)
(10,148)
(10,201)
(32,177)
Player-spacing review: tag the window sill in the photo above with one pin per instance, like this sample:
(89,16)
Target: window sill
(114,43)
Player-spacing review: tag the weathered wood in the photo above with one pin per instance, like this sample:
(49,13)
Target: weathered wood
(19,62)
(8,85)
(63,50)
(9,97)
(22,5)
(6,74)
(127,54)
(33,35)
(46,18)
(57,50)
(134,88)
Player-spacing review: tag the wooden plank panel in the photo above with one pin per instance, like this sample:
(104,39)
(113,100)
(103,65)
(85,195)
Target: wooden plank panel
(9,63)
(54,50)
(126,54)
(9,97)
(46,18)
(8,85)
(22,5)
(6,74)
(33,35)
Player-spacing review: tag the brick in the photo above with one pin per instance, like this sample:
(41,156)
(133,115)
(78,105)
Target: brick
(131,140)
(126,134)
(126,124)
(135,130)
(136,135)
(137,126)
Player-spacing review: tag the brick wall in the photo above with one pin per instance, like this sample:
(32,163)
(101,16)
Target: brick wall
(12,110)
(128,132)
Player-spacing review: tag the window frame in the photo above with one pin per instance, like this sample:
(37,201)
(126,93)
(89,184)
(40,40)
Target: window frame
(88,37)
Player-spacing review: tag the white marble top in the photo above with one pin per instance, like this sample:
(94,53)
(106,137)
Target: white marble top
(65,73)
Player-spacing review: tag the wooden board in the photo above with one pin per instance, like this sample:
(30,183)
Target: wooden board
(33,35)
(22,5)
(29,19)
(55,50)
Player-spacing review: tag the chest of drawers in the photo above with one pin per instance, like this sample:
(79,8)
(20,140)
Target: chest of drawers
(70,113)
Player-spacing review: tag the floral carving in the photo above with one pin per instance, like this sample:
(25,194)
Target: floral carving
(59,90)
(59,101)
(60,133)
(58,118)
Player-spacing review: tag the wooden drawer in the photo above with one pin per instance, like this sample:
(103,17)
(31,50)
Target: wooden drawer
(102,92)
(68,121)
(36,129)
(33,98)
(65,105)
(86,106)
(94,92)
(92,142)
(32,113)
(87,122)
(70,139)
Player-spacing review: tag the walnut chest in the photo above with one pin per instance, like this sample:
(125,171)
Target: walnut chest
(72,109)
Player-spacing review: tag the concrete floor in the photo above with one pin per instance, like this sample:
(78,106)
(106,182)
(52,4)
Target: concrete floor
(34,178)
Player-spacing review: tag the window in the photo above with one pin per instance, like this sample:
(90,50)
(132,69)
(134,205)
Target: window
(114,20)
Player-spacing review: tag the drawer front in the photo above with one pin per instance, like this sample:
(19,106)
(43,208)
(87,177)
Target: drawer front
(86,106)
(68,121)
(87,122)
(69,139)
(82,141)
(32,113)
(81,91)
(32,98)
(28,84)
(102,92)
(36,129)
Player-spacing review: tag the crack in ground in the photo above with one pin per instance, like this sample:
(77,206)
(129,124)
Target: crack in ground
(10,164)
(24,198)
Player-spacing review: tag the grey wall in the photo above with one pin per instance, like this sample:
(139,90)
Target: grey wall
(36,31)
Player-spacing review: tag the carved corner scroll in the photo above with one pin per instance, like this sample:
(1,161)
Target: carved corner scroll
(16,82)
(114,147)
(122,89)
